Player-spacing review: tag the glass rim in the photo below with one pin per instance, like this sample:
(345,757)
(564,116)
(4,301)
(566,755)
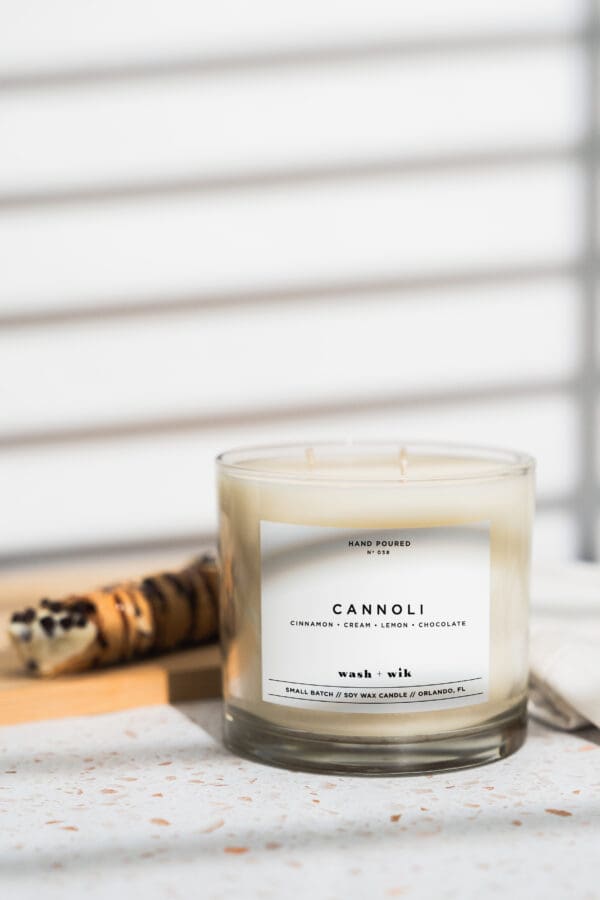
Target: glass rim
(238,461)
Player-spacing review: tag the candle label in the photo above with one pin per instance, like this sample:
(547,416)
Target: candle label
(375,621)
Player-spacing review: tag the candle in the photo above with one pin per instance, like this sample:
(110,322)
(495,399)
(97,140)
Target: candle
(374,604)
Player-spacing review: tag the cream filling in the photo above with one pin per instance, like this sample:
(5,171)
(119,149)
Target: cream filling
(49,651)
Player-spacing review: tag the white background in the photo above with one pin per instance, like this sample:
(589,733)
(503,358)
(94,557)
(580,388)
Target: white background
(231,223)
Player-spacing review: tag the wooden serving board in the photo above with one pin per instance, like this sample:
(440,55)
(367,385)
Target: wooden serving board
(185,675)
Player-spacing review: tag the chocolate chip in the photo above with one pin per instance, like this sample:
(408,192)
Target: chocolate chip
(84,607)
(152,593)
(52,605)
(27,616)
(80,622)
(25,635)
(66,622)
(47,623)
(32,665)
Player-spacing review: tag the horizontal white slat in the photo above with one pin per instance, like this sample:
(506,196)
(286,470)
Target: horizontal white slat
(143,488)
(121,134)
(256,238)
(292,354)
(37,33)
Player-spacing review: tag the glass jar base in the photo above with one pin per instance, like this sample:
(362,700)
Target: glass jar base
(265,742)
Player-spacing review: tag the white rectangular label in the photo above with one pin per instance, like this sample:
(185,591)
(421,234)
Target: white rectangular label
(375,621)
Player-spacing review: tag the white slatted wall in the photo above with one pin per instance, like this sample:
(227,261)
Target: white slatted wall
(244,222)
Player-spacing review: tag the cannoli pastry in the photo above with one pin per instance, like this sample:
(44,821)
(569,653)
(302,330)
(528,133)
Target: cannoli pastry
(119,623)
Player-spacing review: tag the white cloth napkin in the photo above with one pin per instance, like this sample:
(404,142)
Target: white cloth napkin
(564,680)
(564,683)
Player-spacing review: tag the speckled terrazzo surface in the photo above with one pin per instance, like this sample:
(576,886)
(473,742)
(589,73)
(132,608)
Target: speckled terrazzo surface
(148,801)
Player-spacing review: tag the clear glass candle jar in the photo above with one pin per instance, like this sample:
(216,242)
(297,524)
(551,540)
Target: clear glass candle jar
(374,604)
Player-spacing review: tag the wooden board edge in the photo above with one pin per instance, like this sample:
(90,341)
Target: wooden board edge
(94,694)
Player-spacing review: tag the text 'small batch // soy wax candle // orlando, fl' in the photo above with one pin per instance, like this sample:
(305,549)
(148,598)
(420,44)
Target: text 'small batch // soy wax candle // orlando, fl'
(374,604)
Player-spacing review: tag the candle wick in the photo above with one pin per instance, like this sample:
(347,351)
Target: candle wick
(403,462)
(310,456)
